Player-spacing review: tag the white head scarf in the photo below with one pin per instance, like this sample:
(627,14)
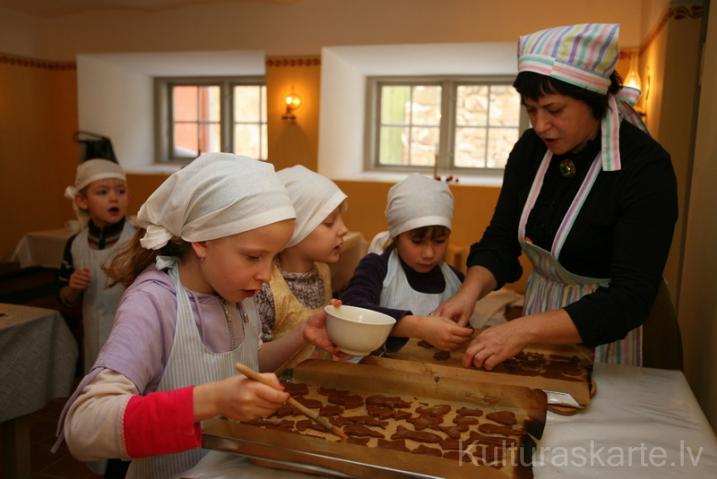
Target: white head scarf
(216,195)
(87,172)
(418,201)
(314,198)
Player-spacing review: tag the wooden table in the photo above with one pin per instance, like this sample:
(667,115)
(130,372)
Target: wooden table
(37,363)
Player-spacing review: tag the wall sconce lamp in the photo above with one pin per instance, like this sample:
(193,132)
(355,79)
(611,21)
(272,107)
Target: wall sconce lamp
(293,102)
(632,80)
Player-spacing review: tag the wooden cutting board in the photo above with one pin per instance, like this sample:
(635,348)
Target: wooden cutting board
(561,368)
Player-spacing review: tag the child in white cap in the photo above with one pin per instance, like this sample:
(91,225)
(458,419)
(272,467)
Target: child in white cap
(300,279)
(99,198)
(210,233)
(410,278)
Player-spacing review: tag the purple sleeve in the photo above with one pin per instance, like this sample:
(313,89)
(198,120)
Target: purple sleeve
(141,337)
(364,288)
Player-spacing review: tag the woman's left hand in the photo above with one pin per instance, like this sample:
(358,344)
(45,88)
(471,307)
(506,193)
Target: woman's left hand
(496,344)
(315,333)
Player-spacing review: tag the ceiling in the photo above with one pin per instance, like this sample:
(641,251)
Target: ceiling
(57,8)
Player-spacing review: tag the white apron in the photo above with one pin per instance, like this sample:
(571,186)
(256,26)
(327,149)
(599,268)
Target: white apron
(191,363)
(398,294)
(99,303)
(550,286)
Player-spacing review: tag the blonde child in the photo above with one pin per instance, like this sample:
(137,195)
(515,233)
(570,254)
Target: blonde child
(410,278)
(211,231)
(99,198)
(300,279)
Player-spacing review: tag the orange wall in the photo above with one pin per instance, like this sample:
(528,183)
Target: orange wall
(38,115)
(293,142)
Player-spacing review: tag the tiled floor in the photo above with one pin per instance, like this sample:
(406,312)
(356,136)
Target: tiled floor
(46,465)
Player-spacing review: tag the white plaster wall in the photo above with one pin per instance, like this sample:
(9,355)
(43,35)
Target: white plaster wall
(117,102)
(115,95)
(343,93)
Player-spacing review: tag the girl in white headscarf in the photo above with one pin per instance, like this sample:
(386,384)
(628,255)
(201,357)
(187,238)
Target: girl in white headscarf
(210,233)
(301,280)
(410,278)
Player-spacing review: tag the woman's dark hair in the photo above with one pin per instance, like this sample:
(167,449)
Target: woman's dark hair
(534,85)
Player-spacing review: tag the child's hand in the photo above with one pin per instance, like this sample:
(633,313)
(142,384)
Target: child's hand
(239,398)
(443,333)
(80,279)
(315,333)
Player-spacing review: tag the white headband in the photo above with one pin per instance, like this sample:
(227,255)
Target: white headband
(418,201)
(216,195)
(314,198)
(89,171)
(93,170)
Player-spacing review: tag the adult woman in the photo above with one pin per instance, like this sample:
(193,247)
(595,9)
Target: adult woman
(589,198)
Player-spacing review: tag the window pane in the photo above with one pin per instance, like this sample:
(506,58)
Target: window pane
(209,103)
(424,146)
(500,142)
(504,106)
(395,104)
(185,140)
(210,137)
(264,143)
(263,105)
(247,104)
(472,105)
(184,103)
(426,105)
(470,147)
(246,140)
(394,146)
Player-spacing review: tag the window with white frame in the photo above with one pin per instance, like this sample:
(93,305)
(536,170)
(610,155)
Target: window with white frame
(198,115)
(452,125)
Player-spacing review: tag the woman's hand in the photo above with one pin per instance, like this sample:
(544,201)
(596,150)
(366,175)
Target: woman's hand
(443,333)
(238,397)
(477,283)
(496,344)
(458,308)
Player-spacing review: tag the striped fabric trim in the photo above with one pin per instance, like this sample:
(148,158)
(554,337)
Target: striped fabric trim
(533,195)
(584,55)
(610,131)
(562,71)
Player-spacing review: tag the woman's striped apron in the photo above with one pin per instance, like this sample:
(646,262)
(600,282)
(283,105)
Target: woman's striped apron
(550,286)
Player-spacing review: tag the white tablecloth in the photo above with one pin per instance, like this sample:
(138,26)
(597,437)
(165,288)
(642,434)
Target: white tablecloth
(41,248)
(37,359)
(643,423)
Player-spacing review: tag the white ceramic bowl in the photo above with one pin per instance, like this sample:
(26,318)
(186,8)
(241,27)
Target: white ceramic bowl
(357,331)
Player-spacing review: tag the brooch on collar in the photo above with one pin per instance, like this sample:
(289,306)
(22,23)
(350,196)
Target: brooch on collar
(567,168)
